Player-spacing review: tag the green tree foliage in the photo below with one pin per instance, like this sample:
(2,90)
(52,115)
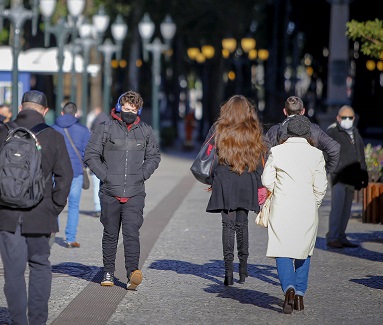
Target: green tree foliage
(370,34)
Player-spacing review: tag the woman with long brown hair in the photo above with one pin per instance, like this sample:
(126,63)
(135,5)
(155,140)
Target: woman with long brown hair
(240,147)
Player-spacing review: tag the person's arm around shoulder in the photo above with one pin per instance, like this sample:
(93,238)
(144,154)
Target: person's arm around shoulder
(152,154)
(330,148)
(269,172)
(271,136)
(320,179)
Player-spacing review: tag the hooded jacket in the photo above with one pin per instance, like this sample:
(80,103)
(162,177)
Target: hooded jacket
(122,156)
(42,219)
(80,136)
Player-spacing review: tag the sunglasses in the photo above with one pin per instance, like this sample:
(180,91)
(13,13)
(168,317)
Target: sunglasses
(347,117)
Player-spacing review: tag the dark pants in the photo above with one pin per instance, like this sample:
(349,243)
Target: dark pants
(16,251)
(235,224)
(130,216)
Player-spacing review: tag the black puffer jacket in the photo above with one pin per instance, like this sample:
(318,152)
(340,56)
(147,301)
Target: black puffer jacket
(130,156)
(42,219)
(329,147)
(352,168)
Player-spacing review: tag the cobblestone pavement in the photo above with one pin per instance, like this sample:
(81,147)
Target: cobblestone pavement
(183,268)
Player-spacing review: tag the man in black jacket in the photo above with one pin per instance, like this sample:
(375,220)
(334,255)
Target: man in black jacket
(24,233)
(350,175)
(123,153)
(294,106)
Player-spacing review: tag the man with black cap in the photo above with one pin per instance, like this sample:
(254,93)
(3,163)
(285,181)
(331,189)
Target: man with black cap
(25,233)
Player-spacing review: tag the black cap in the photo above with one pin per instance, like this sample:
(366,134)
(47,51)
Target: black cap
(299,126)
(35,96)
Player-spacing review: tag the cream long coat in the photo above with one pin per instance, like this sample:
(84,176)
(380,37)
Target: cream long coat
(295,172)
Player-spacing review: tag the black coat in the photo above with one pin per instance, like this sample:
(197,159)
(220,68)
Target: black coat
(231,191)
(352,168)
(128,159)
(42,219)
(329,147)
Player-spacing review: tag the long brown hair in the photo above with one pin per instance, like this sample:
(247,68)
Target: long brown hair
(239,136)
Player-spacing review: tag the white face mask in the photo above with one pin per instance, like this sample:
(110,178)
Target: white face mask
(346,124)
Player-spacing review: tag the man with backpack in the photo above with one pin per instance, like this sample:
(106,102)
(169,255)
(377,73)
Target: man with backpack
(25,231)
(294,106)
(123,153)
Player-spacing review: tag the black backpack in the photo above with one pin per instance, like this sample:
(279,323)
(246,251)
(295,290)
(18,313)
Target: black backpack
(22,181)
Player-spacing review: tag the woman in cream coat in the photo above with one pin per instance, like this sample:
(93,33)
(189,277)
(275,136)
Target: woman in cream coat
(295,174)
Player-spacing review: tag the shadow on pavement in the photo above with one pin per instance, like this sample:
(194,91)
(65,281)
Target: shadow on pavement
(359,252)
(214,272)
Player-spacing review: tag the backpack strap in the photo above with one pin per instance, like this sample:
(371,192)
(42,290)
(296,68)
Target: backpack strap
(140,126)
(39,128)
(35,130)
(10,125)
(105,134)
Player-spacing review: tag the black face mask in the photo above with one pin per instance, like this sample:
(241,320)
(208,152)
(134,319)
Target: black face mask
(128,117)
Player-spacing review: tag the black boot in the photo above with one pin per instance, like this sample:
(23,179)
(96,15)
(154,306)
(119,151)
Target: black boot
(228,233)
(242,232)
(242,271)
(229,280)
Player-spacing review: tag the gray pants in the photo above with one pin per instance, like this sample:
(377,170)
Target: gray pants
(341,203)
(16,251)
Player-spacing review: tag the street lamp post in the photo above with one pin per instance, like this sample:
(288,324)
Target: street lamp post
(86,42)
(107,48)
(146,30)
(17,15)
(61,32)
(75,8)
(119,30)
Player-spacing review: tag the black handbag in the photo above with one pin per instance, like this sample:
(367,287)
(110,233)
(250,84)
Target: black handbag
(206,161)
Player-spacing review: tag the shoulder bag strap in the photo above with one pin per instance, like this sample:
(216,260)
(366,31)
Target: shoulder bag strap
(73,146)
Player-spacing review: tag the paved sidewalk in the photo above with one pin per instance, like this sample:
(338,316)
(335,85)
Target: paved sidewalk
(181,260)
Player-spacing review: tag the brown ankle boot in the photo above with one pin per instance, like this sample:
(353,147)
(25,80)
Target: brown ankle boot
(288,305)
(298,303)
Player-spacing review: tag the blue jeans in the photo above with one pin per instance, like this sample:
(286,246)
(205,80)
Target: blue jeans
(73,209)
(341,203)
(293,273)
(96,189)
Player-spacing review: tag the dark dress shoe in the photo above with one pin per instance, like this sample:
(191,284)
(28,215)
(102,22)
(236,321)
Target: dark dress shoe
(335,244)
(229,281)
(298,303)
(288,305)
(346,243)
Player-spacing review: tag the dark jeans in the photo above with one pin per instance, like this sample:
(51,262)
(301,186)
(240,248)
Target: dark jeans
(129,215)
(16,251)
(341,203)
(235,224)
